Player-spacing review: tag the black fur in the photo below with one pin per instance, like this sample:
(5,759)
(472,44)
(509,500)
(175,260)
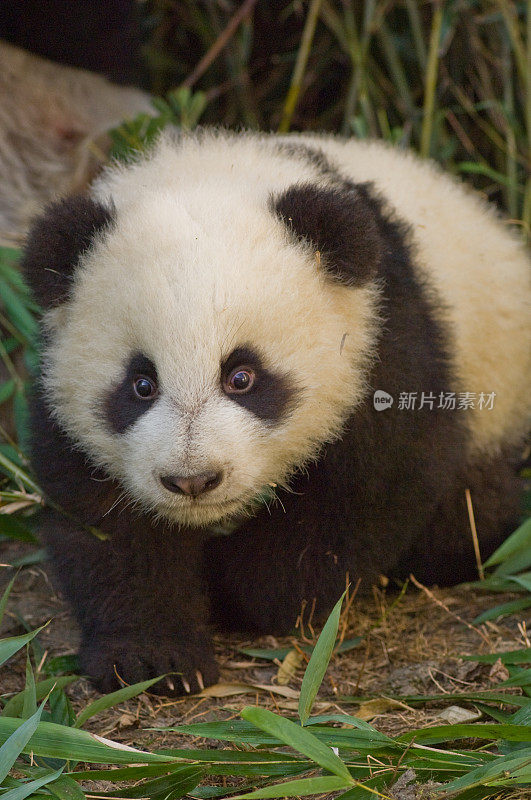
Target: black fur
(386,498)
(122,407)
(272,395)
(339,223)
(313,156)
(55,244)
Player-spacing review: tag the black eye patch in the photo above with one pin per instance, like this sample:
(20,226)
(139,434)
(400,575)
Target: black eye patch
(271,395)
(122,407)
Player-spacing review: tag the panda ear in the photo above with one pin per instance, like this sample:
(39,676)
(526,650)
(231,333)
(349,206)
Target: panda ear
(55,243)
(341,222)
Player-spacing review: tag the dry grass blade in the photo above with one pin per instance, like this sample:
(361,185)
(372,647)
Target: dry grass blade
(220,43)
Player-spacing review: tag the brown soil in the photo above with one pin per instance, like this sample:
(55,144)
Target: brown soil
(412,645)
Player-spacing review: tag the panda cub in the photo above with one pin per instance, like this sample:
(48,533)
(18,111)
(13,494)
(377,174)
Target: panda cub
(317,344)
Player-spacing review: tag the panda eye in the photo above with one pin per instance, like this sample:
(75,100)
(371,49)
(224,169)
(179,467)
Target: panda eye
(239,380)
(145,388)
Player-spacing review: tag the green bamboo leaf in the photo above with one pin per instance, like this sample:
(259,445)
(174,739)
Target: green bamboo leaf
(522,717)
(234,763)
(13,528)
(505,768)
(520,538)
(180,781)
(348,719)
(112,699)
(14,706)
(503,610)
(123,773)
(18,739)
(497,583)
(27,789)
(318,664)
(368,790)
(29,705)
(243,732)
(414,699)
(21,418)
(237,730)
(280,653)
(61,711)
(518,561)
(522,656)
(12,644)
(13,470)
(483,169)
(300,788)
(522,580)
(64,788)
(297,737)
(18,313)
(5,597)
(520,678)
(58,741)
(9,254)
(7,389)
(447,733)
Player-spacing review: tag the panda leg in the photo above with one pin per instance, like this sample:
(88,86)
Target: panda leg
(298,554)
(138,601)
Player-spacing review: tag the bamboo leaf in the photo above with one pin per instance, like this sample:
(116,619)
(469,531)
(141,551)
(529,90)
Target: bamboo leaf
(112,699)
(12,644)
(27,789)
(520,538)
(447,733)
(14,706)
(64,788)
(297,737)
(58,741)
(300,788)
(5,597)
(16,742)
(318,664)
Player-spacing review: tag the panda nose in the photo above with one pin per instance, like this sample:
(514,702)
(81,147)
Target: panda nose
(192,485)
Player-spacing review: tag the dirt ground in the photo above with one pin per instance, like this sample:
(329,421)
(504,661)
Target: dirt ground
(411,645)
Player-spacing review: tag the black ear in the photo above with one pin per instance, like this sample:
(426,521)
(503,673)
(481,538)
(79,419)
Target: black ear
(340,222)
(55,243)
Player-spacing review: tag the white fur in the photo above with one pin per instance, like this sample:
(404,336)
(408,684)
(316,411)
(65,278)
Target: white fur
(197,265)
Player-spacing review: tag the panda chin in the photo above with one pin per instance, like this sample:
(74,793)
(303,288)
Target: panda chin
(201,514)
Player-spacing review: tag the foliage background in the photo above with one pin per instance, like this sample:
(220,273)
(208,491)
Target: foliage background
(450,79)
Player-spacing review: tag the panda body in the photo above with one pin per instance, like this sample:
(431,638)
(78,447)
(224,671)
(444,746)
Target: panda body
(218,318)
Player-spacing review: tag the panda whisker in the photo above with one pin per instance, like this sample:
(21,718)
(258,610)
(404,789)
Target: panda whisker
(93,477)
(118,500)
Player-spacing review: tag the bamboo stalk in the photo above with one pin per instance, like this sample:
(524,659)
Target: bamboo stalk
(300,66)
(416,29)
(431,81)
(511,22)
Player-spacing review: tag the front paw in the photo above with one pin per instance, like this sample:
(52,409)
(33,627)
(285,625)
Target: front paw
(110,661)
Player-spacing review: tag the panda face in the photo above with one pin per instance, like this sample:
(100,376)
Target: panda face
(203,355)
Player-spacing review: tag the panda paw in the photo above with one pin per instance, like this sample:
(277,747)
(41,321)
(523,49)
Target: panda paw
(112,661)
